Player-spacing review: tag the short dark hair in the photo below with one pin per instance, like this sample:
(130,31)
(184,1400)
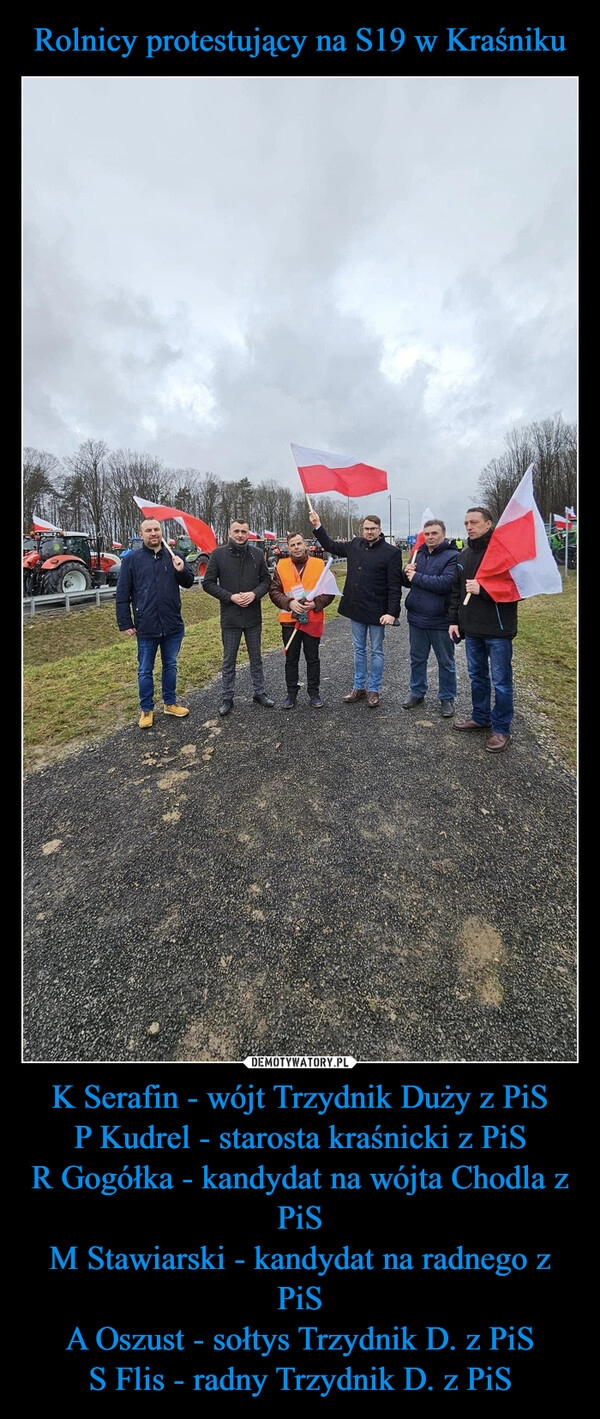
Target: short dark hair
(437,522)
(243,521)
(485,512)
(372,517)
(296,534)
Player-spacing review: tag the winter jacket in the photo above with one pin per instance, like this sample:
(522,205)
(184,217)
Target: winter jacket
(482,616)
(148,587)
(231,569)
(429,594)
(373,580)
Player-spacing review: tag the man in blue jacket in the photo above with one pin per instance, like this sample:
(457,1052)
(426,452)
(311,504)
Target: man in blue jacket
(430,574)
(148,606)
(371,599)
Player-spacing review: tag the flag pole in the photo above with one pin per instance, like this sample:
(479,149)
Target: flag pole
(310,506)
(169,549)
(286,647)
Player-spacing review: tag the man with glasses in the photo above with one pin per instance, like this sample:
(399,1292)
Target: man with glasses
(370,599)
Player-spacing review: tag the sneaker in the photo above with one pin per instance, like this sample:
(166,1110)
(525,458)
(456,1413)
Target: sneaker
(446,708)
(146,719)
(177,710)
(289,702)
(316,701)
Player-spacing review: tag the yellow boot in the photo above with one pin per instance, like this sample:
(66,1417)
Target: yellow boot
(146,719)
(176,709)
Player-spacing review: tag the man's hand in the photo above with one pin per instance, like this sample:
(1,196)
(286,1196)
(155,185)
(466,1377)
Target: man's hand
(298,606)
(472,586)
(178,563)
(410,570)
(243,598)
(131,631)
(386,620)
(314,518)
(454,633)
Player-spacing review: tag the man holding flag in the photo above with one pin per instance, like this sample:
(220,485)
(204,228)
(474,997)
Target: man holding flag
(498,568)
(294,590)
(371,599)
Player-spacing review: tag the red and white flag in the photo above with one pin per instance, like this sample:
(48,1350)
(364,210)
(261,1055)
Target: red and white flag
(568,520)
(253,537)
(427,517)
(334,473)
(40,526)
(518,562)
(198,532)
(269,536)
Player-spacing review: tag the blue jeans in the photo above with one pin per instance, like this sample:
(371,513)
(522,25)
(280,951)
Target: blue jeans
(147,647)
(359,641)
(421,643)
(489,663)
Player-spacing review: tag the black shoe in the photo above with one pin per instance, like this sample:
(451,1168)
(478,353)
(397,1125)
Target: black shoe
(263,700)
(412,701)
(225,707)
(446,708)
(289,702)
(316,701)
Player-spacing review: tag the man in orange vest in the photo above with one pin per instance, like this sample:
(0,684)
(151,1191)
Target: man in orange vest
(301,617)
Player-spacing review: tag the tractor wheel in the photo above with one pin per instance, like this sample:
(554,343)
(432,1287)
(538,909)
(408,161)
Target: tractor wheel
(201,568)
(70,577)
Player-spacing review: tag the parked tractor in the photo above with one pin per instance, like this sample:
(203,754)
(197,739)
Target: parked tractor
(65,562)
(184,547)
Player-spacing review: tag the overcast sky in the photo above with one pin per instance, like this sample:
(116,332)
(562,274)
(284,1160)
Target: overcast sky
(380,267)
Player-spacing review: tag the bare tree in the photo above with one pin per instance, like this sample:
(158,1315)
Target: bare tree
(41,473)
(88,467)
(551,445)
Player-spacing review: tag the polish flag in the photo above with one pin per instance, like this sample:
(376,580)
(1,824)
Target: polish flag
(427,517)
(40,526)
(253,537)
(563,522)
(333,473)
(518,562)
(198,532)
(269,536)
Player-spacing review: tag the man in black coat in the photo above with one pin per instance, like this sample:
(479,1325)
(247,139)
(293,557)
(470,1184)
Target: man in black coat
(371,599)
(488,628)
(237,574)
(148,606)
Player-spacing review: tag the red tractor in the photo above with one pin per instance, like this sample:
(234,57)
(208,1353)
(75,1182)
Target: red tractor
(65,562)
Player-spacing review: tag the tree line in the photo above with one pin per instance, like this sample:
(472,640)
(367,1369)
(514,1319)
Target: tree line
(551,446)
(93,489)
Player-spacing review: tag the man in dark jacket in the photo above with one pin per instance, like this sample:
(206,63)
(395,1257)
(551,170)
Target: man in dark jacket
(238,576)
(371,599)
(430,574)
(488,628)
(148,586)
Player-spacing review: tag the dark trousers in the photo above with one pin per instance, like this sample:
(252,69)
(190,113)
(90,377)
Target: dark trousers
(231,638)
(310,645)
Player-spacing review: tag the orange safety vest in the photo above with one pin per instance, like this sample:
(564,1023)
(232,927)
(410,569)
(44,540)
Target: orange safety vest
(290,575)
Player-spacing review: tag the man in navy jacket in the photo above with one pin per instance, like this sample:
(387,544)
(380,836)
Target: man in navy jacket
(430,575)
(148,606)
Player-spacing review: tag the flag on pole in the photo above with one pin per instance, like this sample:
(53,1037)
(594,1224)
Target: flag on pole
(269,536)
(198,532)
(427,517)
(40,526)
(518,562)
(327,584)
(321,472)
(563,522)
(253,536)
